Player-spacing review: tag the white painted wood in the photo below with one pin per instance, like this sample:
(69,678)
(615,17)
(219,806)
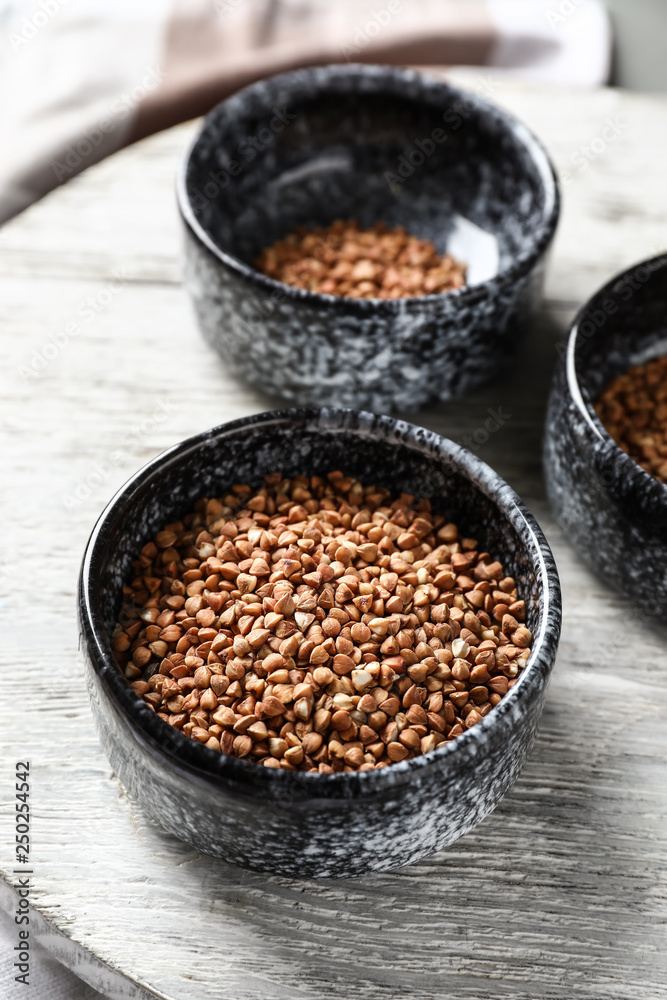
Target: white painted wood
(562,892)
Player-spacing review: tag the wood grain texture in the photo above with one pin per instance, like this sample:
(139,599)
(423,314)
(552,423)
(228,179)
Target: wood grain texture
(562,892)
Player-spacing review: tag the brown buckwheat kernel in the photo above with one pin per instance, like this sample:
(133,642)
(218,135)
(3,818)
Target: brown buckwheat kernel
(316,624)
(377,263)
(633,409)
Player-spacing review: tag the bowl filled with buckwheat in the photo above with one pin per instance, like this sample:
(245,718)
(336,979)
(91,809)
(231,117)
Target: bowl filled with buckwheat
(605,453)
(318,641)
(364,235)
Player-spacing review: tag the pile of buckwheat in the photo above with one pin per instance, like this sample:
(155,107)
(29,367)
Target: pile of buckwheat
(377,263)
(633,409)
(320,625)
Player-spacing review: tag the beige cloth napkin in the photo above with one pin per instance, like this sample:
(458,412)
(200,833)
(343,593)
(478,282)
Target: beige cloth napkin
(81,78)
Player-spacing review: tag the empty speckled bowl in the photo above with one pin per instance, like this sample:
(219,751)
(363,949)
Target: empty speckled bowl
(611,510)
(293,823)
(378,144)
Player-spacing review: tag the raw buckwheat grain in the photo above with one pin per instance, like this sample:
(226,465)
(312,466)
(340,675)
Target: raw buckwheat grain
(377,263)
(633,409)
(320,625)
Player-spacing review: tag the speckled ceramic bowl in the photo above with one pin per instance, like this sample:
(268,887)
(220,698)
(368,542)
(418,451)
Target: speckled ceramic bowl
(611,510)
(374,143)
(293,823)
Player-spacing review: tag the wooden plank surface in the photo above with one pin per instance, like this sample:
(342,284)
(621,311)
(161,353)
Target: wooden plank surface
(562,892)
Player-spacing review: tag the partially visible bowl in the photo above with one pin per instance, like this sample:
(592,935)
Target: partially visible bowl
(298,823)
(379,144)
(611,510)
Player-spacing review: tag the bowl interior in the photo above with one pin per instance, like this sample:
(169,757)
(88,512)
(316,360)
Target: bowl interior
(624,324)
(375,144)
(375,449)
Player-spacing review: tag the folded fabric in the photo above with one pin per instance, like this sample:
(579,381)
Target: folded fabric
(85,79)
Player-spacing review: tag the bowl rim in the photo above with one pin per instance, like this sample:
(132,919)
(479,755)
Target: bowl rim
(540,237)
(204,765)
(624,467)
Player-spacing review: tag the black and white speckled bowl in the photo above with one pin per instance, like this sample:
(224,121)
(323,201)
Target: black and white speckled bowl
(332,142)
(613,511)
(292,823)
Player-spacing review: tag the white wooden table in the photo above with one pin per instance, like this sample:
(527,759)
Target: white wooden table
(562,892)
